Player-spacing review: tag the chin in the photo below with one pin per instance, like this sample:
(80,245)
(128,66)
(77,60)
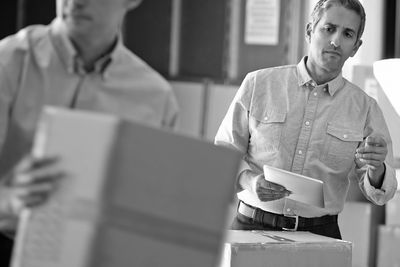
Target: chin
(77,27)
(331,65)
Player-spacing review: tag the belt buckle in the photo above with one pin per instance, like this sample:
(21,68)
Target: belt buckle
(295,225)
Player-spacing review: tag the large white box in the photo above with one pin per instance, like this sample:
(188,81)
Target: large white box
(389,244)
(134,196)
(284,249)
(393,210)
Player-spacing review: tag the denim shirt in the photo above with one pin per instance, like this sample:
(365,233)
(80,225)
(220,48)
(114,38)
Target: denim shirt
(39,66)
(282,118)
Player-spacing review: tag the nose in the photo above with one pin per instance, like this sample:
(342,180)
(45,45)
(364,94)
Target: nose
(336,40)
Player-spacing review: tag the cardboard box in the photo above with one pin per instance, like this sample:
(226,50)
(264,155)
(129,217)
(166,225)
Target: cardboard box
(358,224)
(134,196)
(393,210)
(283,249)
(191,101)
(389,244)
(219,97)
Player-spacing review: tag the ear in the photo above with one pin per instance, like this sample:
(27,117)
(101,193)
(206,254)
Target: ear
(132,4)
(356,47)
(308,32)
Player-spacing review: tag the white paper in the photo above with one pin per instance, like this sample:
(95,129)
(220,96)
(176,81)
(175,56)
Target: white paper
(304,189)
(262,22)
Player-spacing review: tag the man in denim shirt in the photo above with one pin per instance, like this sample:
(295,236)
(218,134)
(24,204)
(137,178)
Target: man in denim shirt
(309,120)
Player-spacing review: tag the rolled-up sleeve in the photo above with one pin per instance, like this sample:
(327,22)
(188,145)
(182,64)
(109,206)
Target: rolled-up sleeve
(376,126)
(234,129)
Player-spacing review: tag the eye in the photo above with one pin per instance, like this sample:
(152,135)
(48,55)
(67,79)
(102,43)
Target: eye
(329,28)
(349,34)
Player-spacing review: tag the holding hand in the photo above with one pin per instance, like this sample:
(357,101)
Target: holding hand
(373,154)
(28,185)
(268,191)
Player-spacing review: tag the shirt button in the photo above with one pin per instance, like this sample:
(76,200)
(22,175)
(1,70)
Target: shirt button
(307,123)
(288,209)
(300,152)
(315,94)
(345,136)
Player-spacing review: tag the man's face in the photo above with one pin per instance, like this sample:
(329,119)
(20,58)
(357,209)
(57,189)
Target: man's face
(92,16)
(340,26)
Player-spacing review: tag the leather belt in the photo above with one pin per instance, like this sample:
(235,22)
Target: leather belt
(283,222)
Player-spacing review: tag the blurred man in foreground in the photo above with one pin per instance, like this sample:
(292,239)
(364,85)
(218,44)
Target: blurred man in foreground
(80,62)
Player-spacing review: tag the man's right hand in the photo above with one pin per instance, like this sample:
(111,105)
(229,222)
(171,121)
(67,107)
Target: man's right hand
(28,185)
(269,191)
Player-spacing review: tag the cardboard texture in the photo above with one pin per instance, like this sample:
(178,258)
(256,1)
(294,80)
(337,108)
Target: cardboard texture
(134,196)
(393,210)
(358,224)
(389,244)
(283,249)
(304,189)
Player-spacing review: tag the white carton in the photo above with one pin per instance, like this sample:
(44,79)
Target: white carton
(284,249)
(134,196)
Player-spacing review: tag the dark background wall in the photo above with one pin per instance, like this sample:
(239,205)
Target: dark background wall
(203,38)
(8,15)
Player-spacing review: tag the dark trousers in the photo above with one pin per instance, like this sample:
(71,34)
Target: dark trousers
(242,222)
(6,245)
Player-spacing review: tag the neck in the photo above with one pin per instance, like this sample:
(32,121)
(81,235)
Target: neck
(92,48)
(320,75)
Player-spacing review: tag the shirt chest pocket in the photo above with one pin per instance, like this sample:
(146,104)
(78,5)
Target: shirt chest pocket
(341,144)
(266,130)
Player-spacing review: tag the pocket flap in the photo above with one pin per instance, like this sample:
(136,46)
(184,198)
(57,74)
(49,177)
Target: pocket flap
(344,134)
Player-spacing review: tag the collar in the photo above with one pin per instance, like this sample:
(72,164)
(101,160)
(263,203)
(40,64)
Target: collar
(304,79)
(70,57)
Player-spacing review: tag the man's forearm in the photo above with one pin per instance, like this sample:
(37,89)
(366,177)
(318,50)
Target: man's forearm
(377,176)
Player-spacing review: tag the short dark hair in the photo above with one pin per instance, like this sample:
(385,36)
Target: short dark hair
(354,5)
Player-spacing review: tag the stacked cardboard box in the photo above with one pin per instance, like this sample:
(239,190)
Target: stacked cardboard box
(393,210)
(389,234)
(358,224)
(389,244)
(283,249)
